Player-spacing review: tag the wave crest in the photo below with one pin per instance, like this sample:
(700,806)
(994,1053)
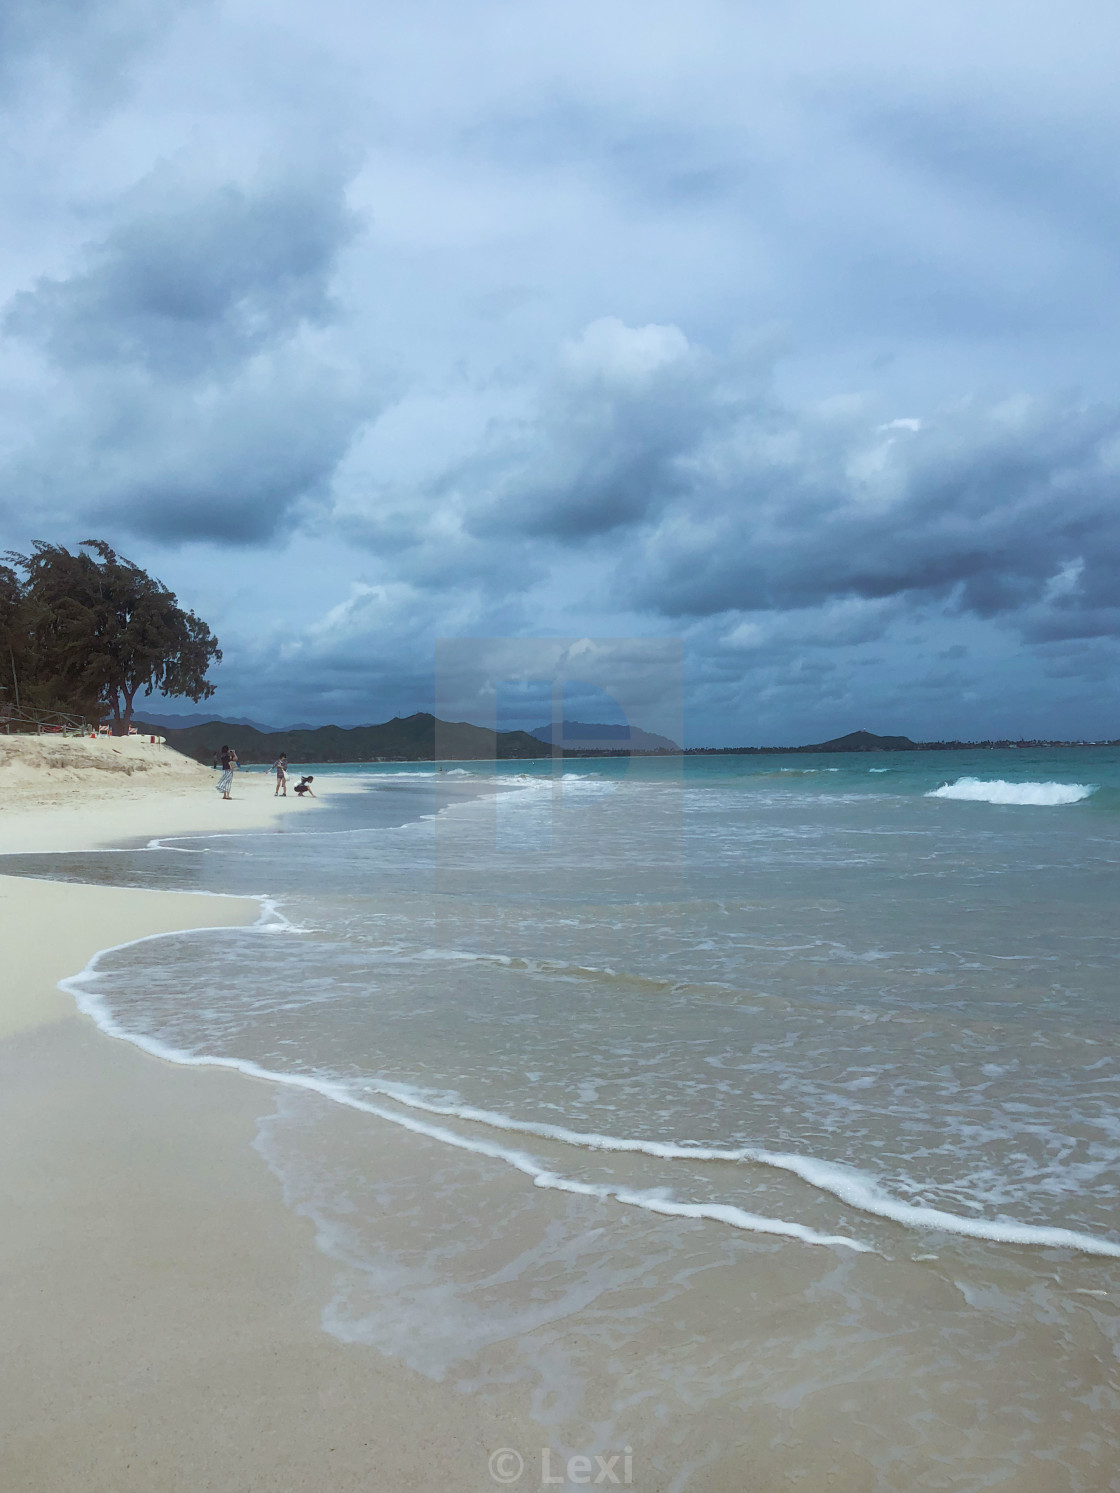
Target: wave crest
(998,791)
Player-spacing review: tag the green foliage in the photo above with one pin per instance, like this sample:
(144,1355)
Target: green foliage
(89,631)
(11,634)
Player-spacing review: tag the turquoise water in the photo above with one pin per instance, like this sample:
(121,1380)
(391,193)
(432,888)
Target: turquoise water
(633,1025)
(910,772)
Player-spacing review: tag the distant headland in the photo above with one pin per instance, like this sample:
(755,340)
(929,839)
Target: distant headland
(594,736)
(422,737)
(867,741)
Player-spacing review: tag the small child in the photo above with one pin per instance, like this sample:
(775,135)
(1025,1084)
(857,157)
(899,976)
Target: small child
(304,786)
(280,768)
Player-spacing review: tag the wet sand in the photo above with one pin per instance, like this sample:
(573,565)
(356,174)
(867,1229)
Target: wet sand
(161,1305)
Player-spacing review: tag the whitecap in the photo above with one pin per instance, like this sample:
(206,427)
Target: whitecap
(998,791)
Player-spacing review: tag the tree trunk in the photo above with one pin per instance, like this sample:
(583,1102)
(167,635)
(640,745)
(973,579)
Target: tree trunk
(125,720)
(122,709)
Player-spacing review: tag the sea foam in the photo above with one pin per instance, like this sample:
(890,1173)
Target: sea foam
(655,1201)
(859,1191)
(998,791)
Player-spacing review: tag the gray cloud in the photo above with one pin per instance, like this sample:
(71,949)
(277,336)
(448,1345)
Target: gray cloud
(995,508)
(715,496)
(194,278)
(1002,155)
(605,449)
(193,396)
(90,44)
(573,220)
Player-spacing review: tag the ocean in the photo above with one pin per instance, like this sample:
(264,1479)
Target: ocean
(751,1117)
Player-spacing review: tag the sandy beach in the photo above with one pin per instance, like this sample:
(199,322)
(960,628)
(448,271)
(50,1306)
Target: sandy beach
(338,1275)
(67,793)
(160,1303)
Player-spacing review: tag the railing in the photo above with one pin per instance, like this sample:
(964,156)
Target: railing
(42,722)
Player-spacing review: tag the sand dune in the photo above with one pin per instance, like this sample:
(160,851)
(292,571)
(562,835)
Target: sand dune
(38,770)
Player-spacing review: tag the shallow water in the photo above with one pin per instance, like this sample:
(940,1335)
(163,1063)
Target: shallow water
(758,1113)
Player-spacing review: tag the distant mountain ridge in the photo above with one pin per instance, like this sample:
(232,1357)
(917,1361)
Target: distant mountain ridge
(595,736)
(867,741)
(414,738)
(185,722)
(423,738)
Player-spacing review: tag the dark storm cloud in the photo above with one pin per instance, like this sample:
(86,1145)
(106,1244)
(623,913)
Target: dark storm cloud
(192,400)
(717,497)
(192,280)
(607,445)
(606,450)
(995,510)
(238,471)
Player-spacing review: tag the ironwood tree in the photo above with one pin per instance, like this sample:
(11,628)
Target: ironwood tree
(11,635)
(91,630)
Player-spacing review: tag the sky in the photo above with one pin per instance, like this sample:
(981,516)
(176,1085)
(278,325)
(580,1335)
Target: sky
(744,368)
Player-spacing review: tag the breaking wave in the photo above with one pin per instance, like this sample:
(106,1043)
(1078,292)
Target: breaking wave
(998,791)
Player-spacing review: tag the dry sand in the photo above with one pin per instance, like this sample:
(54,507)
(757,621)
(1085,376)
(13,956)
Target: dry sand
(117,790)
(160,1305)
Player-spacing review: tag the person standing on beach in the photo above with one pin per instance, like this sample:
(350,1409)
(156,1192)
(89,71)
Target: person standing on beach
(280,768)
(229,763)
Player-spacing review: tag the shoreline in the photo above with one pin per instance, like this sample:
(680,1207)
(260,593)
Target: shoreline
(61,796)
(187,1310)
(162,1303)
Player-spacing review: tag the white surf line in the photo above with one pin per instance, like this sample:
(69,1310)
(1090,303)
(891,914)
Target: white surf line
(157,844)
(92,1006)
(851,1187)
